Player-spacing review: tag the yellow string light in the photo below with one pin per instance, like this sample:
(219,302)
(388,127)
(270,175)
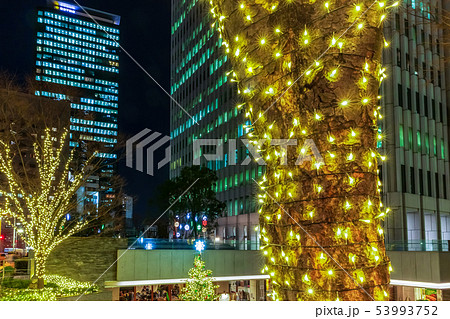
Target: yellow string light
(342,147)
(42,211)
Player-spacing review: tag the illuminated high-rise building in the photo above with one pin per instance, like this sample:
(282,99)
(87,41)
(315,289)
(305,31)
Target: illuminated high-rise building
(200,82)
(416,124)
(416,175)
(78,48)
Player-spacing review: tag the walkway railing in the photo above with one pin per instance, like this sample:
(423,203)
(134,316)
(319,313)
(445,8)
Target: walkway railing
(232,244)
(418,245)
(189,244)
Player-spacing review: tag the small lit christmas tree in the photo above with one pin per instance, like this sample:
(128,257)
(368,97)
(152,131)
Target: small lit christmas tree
(199,286)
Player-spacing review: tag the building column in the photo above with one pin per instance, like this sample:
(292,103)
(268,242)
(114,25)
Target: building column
(254,290)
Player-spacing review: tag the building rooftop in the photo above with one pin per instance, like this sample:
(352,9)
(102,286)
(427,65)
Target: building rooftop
(85,11)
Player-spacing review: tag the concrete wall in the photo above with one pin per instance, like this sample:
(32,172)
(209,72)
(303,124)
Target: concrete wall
(85,259)
(424,266)
(427,266)
(171,264)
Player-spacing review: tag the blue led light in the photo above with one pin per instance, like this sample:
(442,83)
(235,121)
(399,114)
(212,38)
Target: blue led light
(66,10)
(66,7)
(199,246)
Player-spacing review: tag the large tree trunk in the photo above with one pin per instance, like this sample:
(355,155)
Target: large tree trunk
(320,222)
(40,259)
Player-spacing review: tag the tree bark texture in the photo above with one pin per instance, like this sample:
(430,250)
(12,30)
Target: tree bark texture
(310,73)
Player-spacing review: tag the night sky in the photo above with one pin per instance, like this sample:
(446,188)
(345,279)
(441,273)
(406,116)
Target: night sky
(145,34)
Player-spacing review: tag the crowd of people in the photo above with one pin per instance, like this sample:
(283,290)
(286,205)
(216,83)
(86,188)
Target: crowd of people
(161,293)
(126,295)
(239,296)
(145,294)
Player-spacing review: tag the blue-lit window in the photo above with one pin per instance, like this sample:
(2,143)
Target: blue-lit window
(240,130)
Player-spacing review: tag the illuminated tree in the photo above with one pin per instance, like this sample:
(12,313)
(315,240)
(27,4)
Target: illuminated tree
(200,286)
(42,179)
(42,207)
(308,73)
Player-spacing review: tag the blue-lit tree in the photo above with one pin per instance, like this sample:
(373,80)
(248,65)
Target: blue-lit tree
(198,202)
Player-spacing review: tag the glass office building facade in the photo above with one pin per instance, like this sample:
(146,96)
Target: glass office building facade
(416,175)
(200,84)
(79,48)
